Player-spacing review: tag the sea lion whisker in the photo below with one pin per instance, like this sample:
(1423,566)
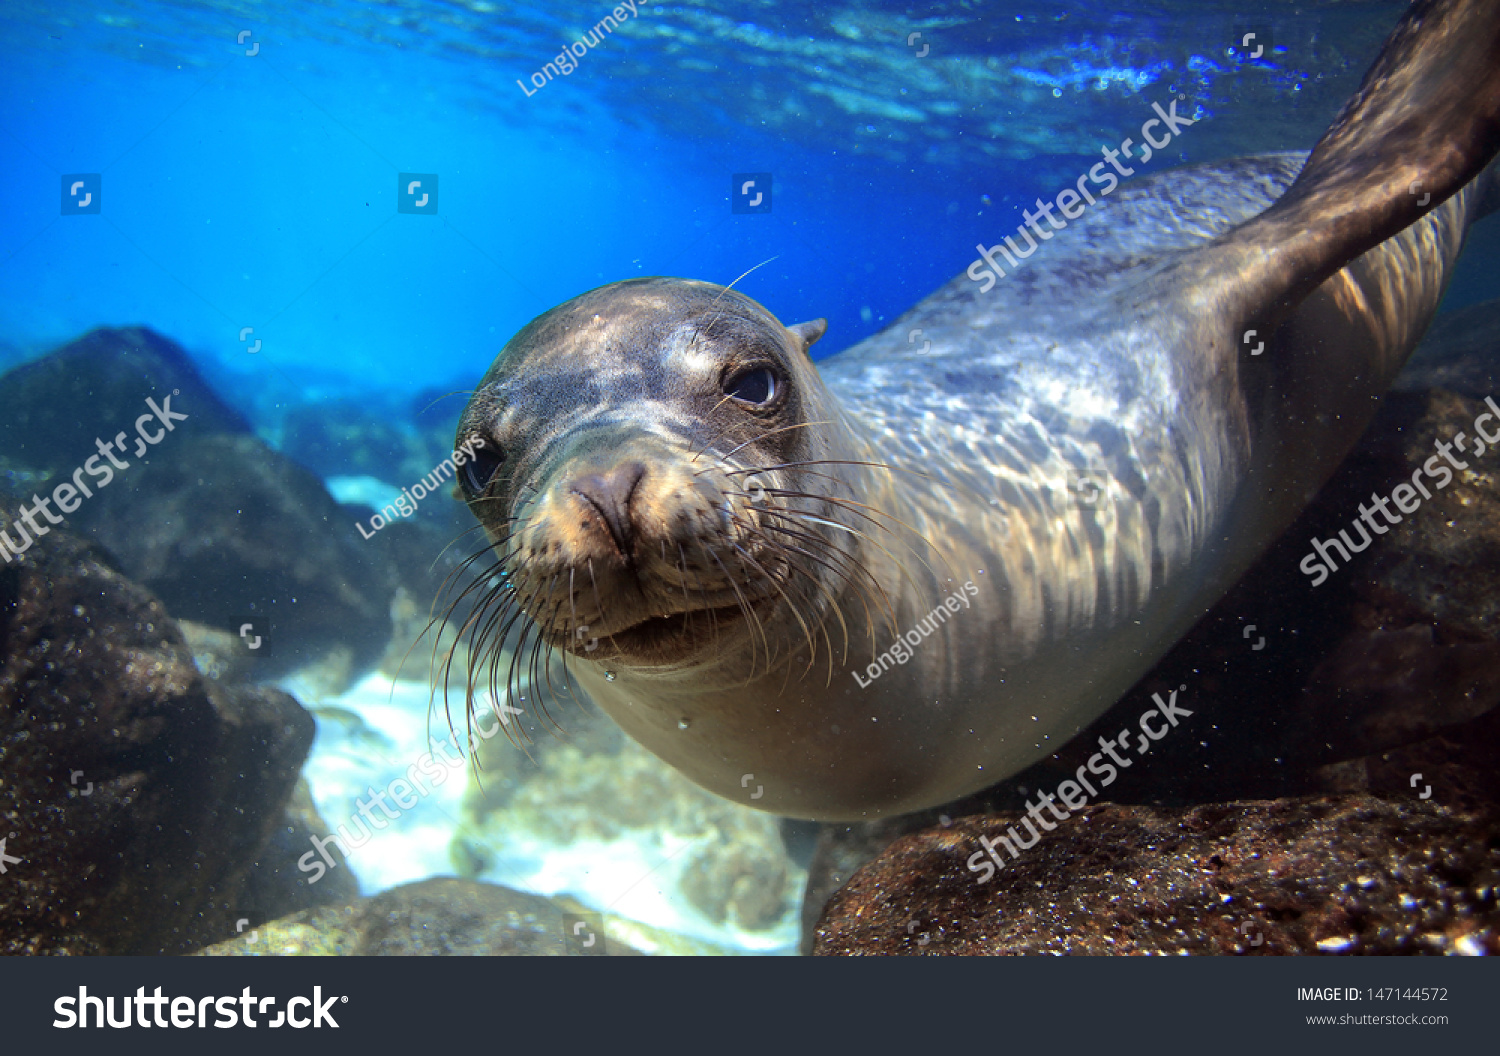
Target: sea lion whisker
(448,582)
(444,396)
(811,473)
(481,580)
(434,620)
(812,644)
(744,608)
(713,618)
(563,654)
(451,544)
(870,513)
(572,603)
(491,593)
(495,633)
(698,329)
(750,616)
(853,584)
(520,739)
(536,679)
(804,515)
(734,423)
(784,551)
(784,511)
(495,599)
(598,602)
(687,600)
(787,555)
(940,482)
(528,627)
(771,432)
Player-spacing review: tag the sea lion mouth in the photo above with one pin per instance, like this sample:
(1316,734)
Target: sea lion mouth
(671,636)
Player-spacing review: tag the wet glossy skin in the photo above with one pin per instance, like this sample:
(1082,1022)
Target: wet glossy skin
(1089,444)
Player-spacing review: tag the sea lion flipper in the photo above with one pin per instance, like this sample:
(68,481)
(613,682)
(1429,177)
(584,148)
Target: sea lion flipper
(1424,123)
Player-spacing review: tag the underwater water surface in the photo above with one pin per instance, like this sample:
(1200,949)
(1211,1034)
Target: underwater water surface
(342,211)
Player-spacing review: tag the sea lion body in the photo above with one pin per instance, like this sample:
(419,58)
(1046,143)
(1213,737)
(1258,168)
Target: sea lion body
(1037,504)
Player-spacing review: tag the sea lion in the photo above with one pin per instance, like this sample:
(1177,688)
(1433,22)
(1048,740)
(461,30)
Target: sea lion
(882,582)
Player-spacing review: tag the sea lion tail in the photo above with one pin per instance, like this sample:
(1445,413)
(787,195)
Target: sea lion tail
(1424,123)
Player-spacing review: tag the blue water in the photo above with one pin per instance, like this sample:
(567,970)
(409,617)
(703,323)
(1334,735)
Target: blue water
(260,190)
(250,168)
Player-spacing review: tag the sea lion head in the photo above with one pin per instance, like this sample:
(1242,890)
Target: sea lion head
(645,477)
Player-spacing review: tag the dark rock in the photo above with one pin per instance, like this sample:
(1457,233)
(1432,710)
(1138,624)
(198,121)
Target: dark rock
(1350,874)
(346,438)
(1461,353)
(229,533)
(1455,768)
(136,792)
(225,531)
(274,886)
(96,387)
(441,917)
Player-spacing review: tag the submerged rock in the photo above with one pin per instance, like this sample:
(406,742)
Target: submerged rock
(444,917)
(230,534)
(226,531)
(138,794)
(1342,874)
(274,886)
(344,437)
(95,387)
(1461,353)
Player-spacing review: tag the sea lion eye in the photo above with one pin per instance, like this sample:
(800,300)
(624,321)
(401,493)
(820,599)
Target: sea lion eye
(481,469)
(756,385)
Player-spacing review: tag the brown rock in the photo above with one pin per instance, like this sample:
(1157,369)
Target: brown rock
(443,917)
(136,792)
(227,533)
(55,407)
(1353,874)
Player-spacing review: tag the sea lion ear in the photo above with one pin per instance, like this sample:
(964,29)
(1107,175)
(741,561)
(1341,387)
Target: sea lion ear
(807,333)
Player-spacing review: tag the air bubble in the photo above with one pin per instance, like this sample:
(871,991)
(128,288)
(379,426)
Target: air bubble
(609,676)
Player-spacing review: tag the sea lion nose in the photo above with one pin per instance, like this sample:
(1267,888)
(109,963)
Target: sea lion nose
(609,494)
